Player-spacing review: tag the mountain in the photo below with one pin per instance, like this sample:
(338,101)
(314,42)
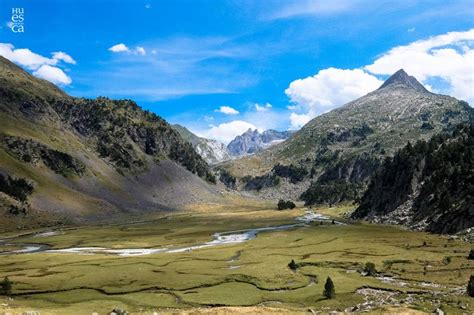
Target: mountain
(66,159)
(427,185)
(333,156)
(253,141)
(211,151)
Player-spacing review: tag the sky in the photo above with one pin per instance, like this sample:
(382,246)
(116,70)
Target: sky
(222,67)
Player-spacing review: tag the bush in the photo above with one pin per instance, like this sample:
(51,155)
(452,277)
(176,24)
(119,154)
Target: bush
(292,265)
(17,188)
(370,269)
(282,204)
(329,290)
(6,287)
(447,260)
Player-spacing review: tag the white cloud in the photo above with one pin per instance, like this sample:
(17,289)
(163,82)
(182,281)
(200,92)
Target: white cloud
(227,110)
(122,48)
(299,120)
(24,57)
(52,74)
(411,30)
(330,88)
(147,6)
(449,57)
(140,51)
(226,132)
(45,68)
(263,107)
(119,48)
(59,55)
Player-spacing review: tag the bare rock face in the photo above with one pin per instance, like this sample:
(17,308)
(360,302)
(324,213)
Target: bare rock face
(252,141)
(211,151)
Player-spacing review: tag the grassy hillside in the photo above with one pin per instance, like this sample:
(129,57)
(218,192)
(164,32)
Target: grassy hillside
(89,159)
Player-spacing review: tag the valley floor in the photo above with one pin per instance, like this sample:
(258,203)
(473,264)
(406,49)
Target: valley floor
(415,273)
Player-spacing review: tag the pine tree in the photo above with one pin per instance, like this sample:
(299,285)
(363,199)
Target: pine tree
(6,287)
(470,286)
(329,291)
(292,265)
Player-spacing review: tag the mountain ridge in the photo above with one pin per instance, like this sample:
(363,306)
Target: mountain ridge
(339,150)
(89,159)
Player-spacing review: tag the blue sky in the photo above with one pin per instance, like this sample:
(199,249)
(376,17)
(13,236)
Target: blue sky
(219,67)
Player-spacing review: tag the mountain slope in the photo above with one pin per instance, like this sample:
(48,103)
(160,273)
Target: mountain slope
(89,159)
(428,185)
(253,141)
(338,151)
(211,151)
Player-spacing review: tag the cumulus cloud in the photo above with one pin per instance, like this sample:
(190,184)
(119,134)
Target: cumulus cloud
(44,67)
(298,120)
(119,48)
(227,110)
(122,48)
(59,55)
(52,74)
(449,57)
(330,88)
(263,107)
(226,132)
(24,56)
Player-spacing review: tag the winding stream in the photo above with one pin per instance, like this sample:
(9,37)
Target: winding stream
(224,238)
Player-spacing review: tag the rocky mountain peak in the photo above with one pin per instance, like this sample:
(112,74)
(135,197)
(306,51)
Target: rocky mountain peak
(401,77)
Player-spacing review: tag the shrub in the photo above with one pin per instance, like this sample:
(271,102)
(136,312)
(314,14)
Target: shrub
(370,269)
(6,287)
(282,204)
(292,265)
(329,290)
(447,260)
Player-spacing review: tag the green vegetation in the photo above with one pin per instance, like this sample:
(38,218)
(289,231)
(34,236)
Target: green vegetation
(292,265)
(370,269)
(6,287)
(470,286)
(442,169)
(329,290)
(75,284)
(282,204)
(293,173)
(18,188)
(260,182)
(227,178)
(29,151)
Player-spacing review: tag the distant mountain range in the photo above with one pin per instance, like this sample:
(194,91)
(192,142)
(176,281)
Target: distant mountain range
(249,142)
(253,141)
(211,151)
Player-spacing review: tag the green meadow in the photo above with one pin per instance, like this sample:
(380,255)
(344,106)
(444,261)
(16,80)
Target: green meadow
(252,275)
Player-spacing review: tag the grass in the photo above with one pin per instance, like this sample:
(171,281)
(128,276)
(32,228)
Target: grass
(82,284)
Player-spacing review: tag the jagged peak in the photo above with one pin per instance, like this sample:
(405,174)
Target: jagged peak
(401,77)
